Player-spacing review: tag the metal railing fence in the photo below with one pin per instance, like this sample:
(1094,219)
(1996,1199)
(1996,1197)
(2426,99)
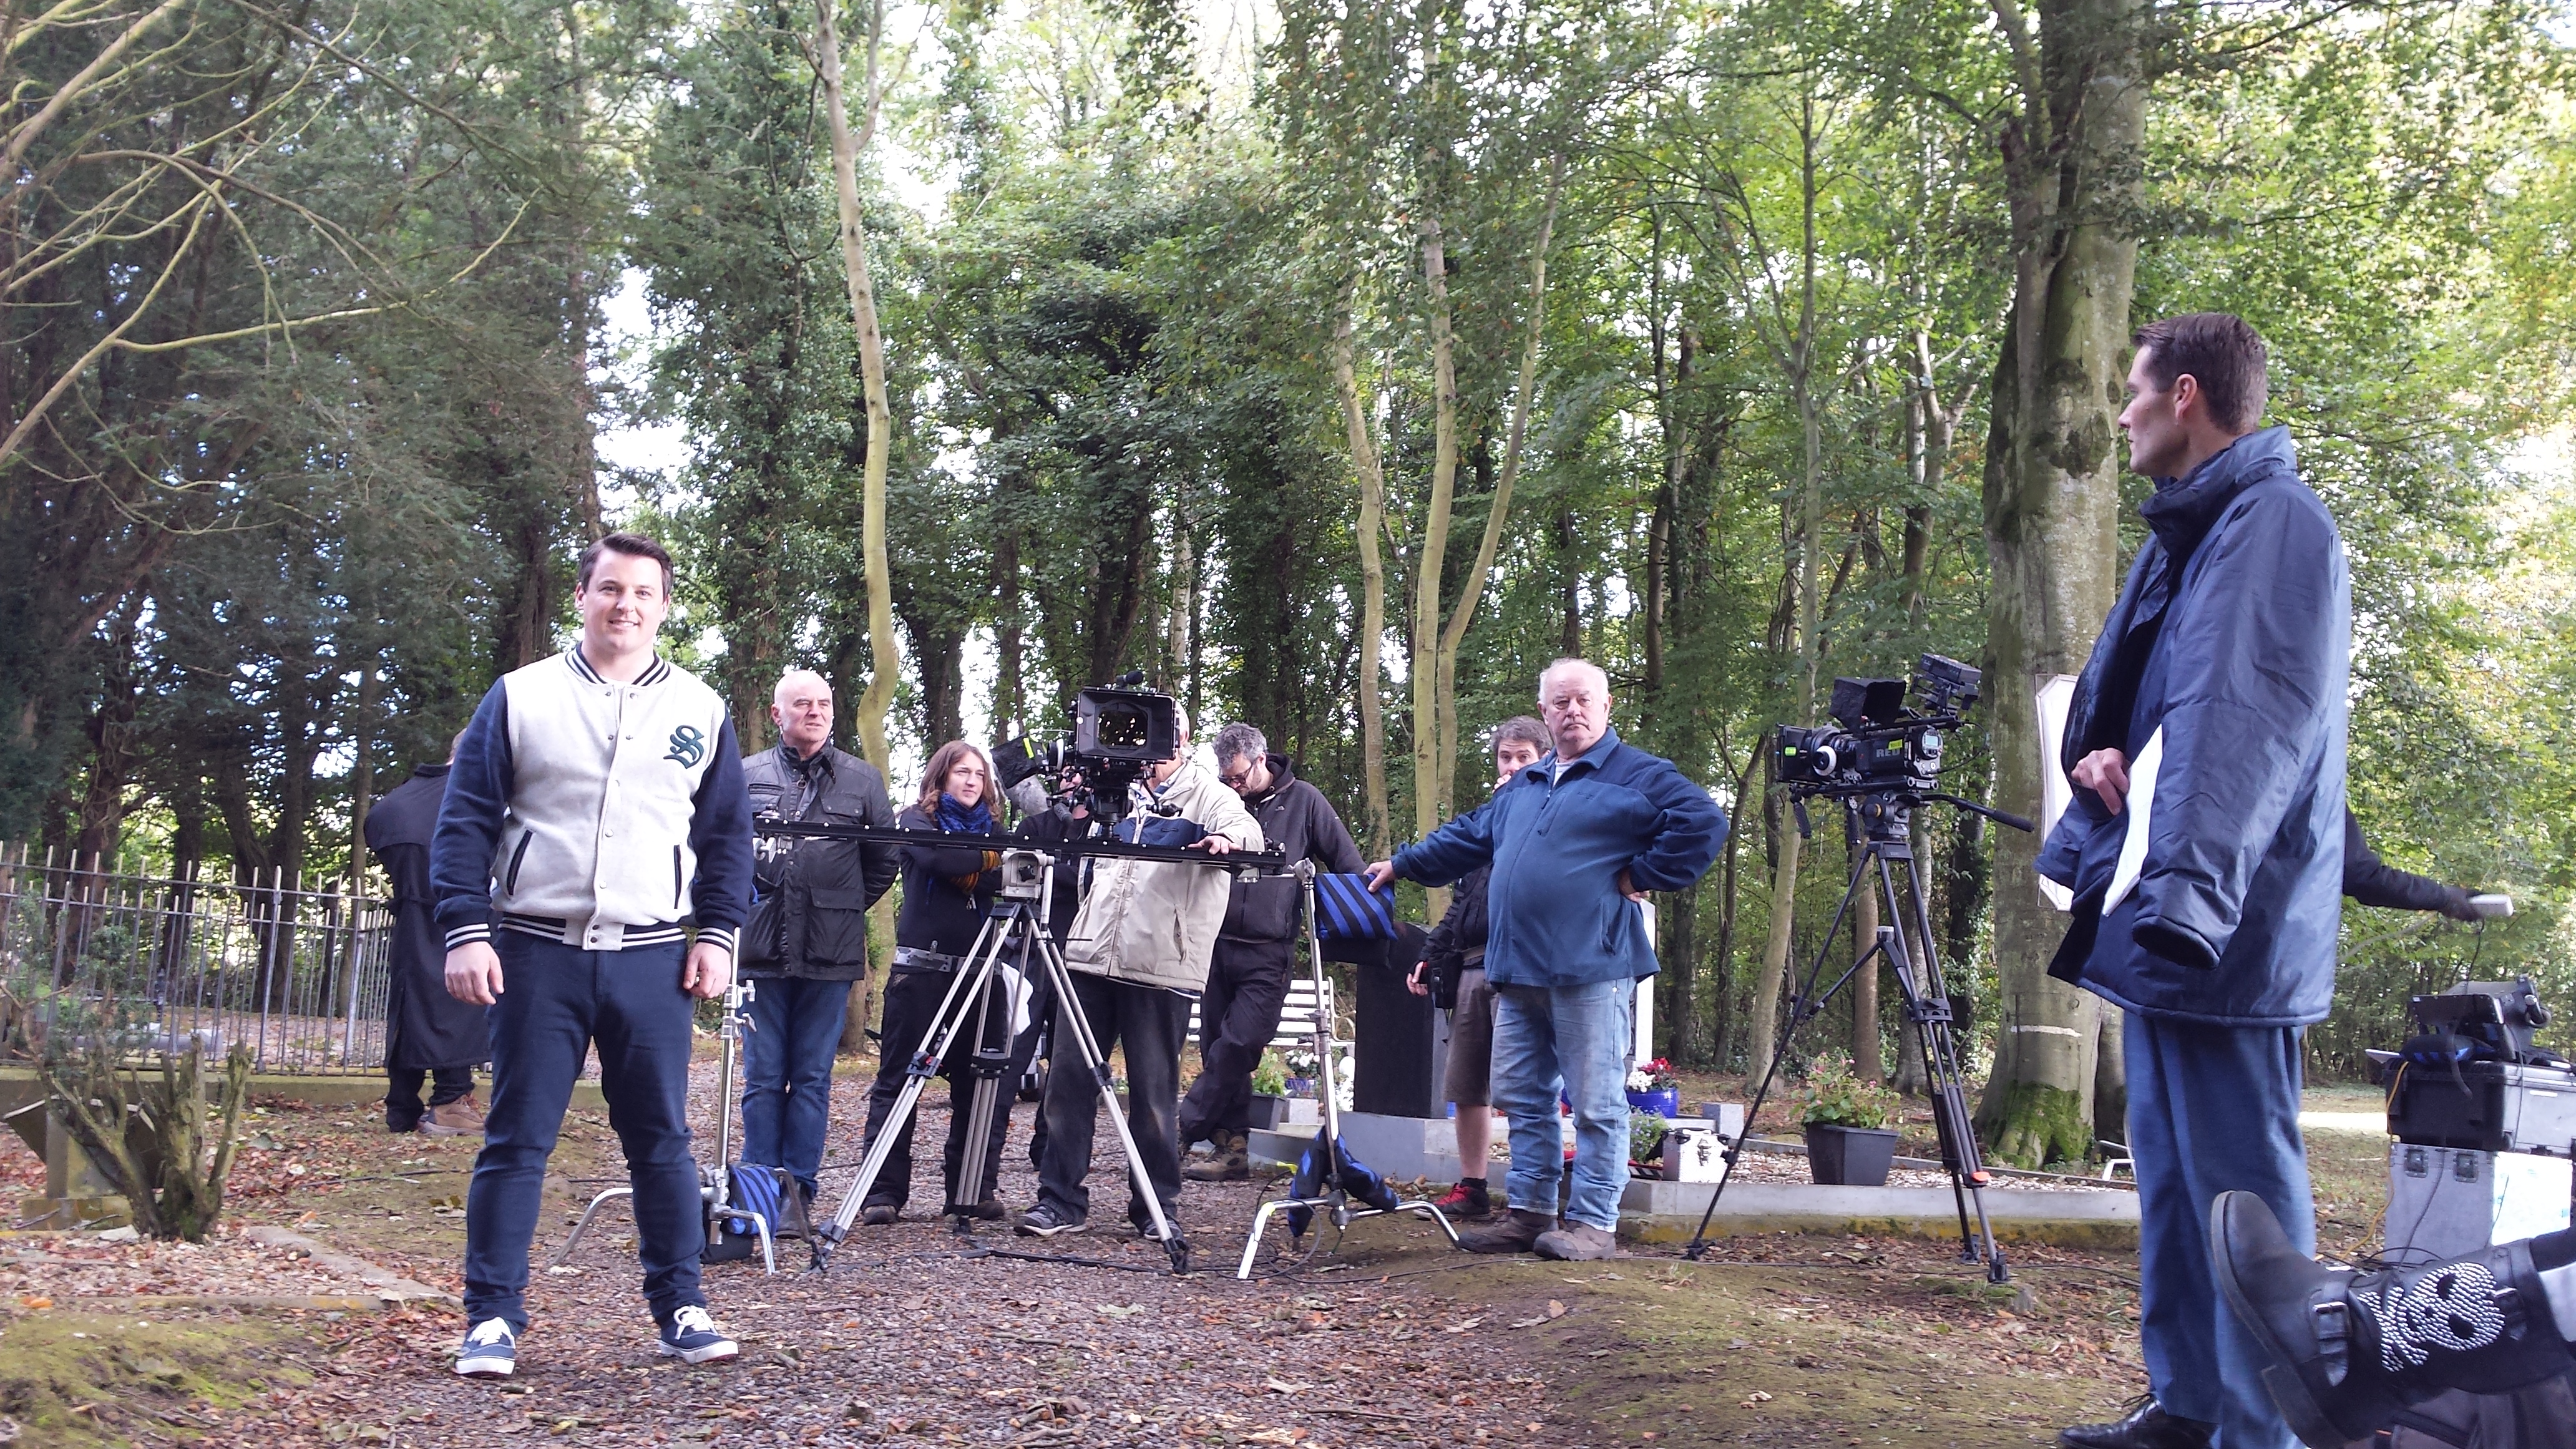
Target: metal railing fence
(299,973)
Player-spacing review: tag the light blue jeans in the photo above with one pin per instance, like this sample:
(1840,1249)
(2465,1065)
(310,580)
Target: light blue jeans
(1574,1038)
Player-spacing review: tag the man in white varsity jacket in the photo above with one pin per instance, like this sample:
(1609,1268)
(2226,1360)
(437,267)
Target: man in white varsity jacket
(595,814)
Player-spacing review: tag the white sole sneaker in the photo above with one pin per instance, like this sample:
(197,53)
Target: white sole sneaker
(711,1353)
(486,1367)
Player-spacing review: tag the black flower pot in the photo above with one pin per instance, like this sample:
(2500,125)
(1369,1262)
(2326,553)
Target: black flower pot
(1850,1156)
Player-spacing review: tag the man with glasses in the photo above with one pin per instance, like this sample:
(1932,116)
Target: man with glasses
(1256,948)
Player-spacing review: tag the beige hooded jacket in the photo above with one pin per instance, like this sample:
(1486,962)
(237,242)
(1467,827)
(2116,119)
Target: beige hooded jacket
(1155,924)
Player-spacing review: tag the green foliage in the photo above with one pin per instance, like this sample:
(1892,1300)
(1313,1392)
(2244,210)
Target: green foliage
(1836,1098)
(1270,1078)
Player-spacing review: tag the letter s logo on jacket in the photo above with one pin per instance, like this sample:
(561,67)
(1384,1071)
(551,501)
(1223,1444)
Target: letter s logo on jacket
(688,746)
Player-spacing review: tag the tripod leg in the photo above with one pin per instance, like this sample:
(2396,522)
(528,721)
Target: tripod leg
(989,1062)
(1088,1047)
(1927,1007)
(1804,1006)
(969,985)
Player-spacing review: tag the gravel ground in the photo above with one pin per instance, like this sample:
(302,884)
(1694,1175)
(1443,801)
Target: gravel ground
(913,1334)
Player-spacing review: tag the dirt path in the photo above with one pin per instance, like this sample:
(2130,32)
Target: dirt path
(913,1339)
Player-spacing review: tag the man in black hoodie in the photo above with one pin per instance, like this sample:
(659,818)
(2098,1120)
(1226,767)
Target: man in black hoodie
(1256,948)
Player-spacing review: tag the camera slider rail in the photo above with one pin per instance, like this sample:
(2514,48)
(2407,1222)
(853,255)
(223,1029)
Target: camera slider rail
(1271,861)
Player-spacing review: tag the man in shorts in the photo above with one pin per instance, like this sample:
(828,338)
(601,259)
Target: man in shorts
(1453,973)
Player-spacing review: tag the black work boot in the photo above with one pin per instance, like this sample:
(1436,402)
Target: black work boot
(1517,1232)
(2145,1426)
(2346,1352)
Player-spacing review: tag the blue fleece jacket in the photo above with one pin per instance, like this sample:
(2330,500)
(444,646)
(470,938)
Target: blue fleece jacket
(1557,844)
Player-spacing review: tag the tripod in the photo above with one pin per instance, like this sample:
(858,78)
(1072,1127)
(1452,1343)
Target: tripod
(715,1183)
(980,993)
(1879,821)
(1333,1197)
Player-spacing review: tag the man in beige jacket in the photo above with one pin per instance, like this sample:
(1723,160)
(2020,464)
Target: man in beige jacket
(1139,956)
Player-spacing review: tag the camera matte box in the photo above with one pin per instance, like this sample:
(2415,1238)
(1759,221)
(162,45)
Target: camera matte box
(2488,1107)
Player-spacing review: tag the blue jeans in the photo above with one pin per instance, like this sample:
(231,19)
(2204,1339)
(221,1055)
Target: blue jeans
(787,1052)
(2211,1109)
(557,1002)
(1574,1038)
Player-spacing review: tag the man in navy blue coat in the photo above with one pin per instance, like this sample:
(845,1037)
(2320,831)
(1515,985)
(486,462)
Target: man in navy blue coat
(2227,657)
(1575,842)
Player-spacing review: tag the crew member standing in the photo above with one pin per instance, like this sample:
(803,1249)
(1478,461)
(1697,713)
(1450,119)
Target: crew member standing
(808,937)
(429,1035)
(596,813)
(1256,947)
(2227,654)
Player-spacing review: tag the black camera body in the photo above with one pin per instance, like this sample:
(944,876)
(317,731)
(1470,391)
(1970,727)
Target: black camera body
(1881,745)
(1119,731)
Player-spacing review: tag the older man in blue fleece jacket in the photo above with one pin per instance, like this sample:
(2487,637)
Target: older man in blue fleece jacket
(1574,841)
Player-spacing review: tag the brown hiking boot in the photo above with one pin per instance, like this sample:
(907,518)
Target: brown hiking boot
(1517,1232)
(1232,1162)
(460,1118)
(1578,1243)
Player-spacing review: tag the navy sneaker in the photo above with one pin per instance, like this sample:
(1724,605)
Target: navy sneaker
(1042,1221)
(692,1337)
(491,1351)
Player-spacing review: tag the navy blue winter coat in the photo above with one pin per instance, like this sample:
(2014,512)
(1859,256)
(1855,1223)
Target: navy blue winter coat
(2233,634)
(1554,915)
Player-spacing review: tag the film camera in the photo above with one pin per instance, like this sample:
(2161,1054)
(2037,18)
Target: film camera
(1118,731)
(1881,745)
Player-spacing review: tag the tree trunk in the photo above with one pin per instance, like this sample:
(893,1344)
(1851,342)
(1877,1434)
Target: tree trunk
(2051,503)
(1798,355)
(1473,593)
(1370,524)
(885,661)
(1429,560)
(362,770)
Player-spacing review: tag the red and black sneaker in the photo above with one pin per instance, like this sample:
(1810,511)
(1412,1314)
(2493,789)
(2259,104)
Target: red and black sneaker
(1468,1201)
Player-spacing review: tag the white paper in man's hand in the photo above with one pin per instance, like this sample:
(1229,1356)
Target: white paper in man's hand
(2140,808)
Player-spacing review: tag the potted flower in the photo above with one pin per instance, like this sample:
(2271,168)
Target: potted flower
(1302,1070)
(1652,1087)
(1849,1143)
(1269,1091)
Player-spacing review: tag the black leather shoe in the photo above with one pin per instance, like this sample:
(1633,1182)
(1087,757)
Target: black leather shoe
(2346,1352)
(2145,1426)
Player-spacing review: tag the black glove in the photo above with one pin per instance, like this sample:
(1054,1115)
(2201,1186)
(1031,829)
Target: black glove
(2455,904)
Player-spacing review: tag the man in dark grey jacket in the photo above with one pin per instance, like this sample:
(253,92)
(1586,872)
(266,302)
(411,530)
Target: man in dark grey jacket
(1256,948)
(2226,659)
(808,936)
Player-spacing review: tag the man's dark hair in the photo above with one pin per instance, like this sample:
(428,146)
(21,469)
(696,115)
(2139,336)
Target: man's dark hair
(633,545)
(1521,729)
(2222,353)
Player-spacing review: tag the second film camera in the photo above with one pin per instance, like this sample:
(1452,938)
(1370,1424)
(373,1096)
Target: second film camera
(1118,731)
(1880,743)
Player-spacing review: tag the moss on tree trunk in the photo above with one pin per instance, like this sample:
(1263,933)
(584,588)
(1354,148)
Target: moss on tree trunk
(2039,1124)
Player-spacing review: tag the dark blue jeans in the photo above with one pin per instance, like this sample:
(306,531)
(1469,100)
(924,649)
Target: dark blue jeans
(2212,1109)
(556,1003)
(787,1052)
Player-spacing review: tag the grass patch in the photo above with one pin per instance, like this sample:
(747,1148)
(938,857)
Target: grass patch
(95,1379)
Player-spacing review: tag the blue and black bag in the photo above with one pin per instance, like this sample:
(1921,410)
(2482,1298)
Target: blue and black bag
(1347,910)
(750,1188)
